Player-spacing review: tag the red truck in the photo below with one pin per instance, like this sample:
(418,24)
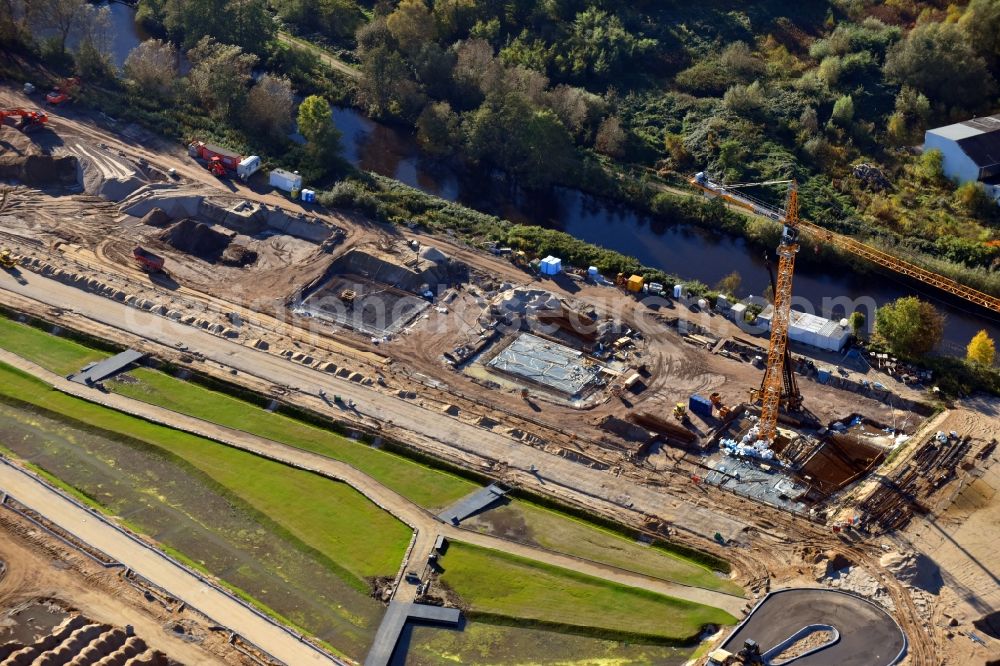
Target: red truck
(152,263)
(218,160)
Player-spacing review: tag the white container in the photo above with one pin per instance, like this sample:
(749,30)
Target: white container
(678,290)
(702,303)
(247,167)
(285,180)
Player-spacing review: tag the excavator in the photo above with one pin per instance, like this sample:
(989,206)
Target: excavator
(27,120)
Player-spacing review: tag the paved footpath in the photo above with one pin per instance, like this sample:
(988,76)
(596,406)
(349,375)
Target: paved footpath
(426,525)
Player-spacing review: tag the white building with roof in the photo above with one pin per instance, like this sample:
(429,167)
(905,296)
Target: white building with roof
(810,329)
(971,151)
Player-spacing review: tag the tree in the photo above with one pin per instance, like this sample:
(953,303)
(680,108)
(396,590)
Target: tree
(220,75)
(438,130)
(152,66)
(981,350)
(930,165)
(610,138)
(60,16)
(411,24)
(973,200)
(730,284)
(937,60)
(531,145)
(93,51)
(386,87)
(981,21)
(249,25)
(909,326)
(857,321)
(269,105)
(599,46)
(336,19)
(13,22)
(843,111)
(315,120)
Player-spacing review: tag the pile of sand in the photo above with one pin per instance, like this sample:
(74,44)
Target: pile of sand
(157,218)
(914,569)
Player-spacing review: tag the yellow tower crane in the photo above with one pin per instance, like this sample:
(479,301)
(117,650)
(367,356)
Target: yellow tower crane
(779,379)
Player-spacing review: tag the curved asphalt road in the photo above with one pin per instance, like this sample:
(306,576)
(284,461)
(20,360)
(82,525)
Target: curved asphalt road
(868,635)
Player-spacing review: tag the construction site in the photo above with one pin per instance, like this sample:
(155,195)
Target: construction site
(800,466)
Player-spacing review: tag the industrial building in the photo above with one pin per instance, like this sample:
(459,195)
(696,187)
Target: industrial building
(812,330)
(971,151)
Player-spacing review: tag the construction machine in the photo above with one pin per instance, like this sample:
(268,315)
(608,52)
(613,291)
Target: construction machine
(63,92)
(681,412)
(727,193)
(519,259)
(7,260)
(28,120)
(149,262)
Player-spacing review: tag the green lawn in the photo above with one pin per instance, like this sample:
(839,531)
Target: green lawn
(421,484)
(326,515)
(502,584)
(59,355)
(549,529)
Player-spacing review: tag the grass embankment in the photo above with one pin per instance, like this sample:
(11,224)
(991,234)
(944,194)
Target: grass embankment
(324,515)
(503,586)
(421,484)
(533,524)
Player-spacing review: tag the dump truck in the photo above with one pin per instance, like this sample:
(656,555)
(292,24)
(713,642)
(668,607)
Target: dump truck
(149,262)
(217,160)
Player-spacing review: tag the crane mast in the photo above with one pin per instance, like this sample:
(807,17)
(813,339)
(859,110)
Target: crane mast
(772,388)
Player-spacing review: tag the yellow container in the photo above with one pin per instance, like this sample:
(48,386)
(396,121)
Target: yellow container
(634,283)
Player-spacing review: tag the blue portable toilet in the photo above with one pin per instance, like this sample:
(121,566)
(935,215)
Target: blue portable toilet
(700,405)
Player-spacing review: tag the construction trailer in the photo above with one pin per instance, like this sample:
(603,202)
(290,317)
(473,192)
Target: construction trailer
(247,167)
(285,180)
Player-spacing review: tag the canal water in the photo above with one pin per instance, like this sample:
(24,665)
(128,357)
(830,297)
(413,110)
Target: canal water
(690,252)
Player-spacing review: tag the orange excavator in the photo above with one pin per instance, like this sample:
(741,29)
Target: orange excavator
(27,119)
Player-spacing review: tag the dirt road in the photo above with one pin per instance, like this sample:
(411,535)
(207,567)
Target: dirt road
(326,57)
(156,567)
(427,526)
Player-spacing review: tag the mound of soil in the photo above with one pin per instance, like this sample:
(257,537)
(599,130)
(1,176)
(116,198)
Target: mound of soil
(915,569)
(157,218)
(196,238)
(238,255)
